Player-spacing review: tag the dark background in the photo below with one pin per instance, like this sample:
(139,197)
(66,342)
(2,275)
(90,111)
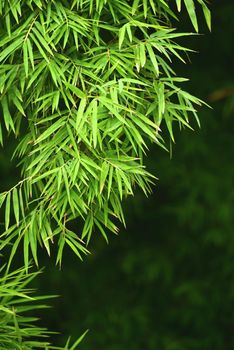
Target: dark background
(167,281)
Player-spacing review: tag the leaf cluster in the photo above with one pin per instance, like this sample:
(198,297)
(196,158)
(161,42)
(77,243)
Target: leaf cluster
(86,86)
(17,325)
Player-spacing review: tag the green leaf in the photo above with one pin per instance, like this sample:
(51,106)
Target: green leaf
(30,52)
(122,31)
(192,14)
(142,55)
(25,55)
(206,12)
(94,121)
(26,251)
(79,93)
(104,173)
(51,130)
(79,340)
(60,249)
(6,114)
(16,205)
(80,112)
(32,237)
(153,59)
(135,6)
(178,3)
(7,210)
(10,49)
(73,247)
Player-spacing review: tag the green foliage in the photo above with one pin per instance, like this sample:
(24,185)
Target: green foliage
(190,7)
(85,86)
(17,328)
(168,283)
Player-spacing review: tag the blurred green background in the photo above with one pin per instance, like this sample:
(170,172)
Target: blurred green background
(167,281)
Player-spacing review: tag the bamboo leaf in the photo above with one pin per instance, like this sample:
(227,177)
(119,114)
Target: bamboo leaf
(78,341)
(51,130)
(121,36)
(25,55)
(16,204)
(207,13)
(26,251)
(6,114)
(104,173)
(10,49)
(192,14)
(153,59)
(85,86)
(79,93)
(178,3)
(7,210)
(94,122)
